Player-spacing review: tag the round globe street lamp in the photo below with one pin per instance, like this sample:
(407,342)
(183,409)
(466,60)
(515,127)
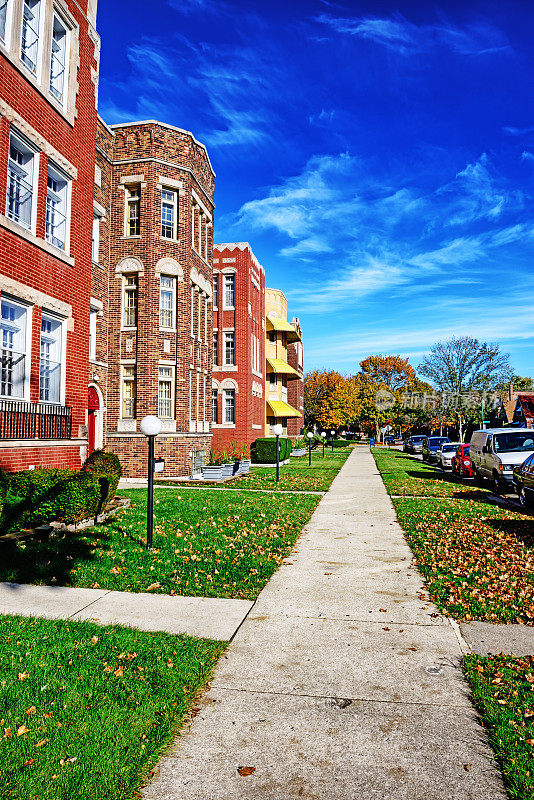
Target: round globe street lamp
(278,431)
(323,434)
(150,426)
(333,434)
(310,437)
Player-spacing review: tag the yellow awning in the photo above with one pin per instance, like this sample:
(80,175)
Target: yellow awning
(281,367)
(280,409)
(278,324)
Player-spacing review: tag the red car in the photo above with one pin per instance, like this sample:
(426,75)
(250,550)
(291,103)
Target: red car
(461,463)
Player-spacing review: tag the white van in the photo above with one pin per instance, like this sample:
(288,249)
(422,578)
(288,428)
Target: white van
(494,454)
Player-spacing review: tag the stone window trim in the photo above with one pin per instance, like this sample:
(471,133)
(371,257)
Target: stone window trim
(169,266)
(41,81)
(99,210)
(170,183)
(195,199)
(128,265)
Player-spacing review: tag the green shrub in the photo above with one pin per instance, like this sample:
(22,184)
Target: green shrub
(263,451)
(107,465)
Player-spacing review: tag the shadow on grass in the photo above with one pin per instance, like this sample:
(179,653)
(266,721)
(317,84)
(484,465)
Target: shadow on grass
(521,529)
(49,561)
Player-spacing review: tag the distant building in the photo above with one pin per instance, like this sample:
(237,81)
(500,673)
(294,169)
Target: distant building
(295,388)
(49,55)
(151,295)
(278,373)
(238,400)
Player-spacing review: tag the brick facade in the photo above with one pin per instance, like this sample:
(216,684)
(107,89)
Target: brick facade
(238,387)
(47,137)
(152,293)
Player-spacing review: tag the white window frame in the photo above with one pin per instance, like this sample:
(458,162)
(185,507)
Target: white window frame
(215,349)
(130,379)
(25,26)
(60,352)
(24,343)
(93,318)
(173,204)
(214,406)
(127,289)
(229,336)
(229,278)
(216,291)
(132,196)
(58,206)
(167,286)
(23,176)
(193,292)
(95,240)
(60,95)
(166,379)
(229,394)
(6,7)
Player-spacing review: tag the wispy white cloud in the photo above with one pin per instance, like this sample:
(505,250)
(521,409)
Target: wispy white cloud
(398,34)
(512,131)
(526,155)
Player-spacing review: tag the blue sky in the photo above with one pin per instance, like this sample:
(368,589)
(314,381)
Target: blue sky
(379,157)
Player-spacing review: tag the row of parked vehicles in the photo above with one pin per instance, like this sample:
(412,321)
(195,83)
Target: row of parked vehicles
(502,456)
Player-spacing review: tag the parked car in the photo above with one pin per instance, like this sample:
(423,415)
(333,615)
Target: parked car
(461,463)
(430,447)
(446,453)
(523,478)
(414,444)
(496,452)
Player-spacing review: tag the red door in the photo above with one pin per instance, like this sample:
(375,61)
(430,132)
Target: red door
(93,405)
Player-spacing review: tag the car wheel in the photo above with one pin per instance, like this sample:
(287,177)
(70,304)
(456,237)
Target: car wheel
(479,480)
(523,499)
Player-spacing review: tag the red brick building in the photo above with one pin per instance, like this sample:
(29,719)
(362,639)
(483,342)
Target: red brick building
(295,389)
(151,295)
(49,55)
(238,402)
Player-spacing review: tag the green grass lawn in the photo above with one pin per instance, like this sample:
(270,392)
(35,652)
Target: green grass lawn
(477,557)
(404,475)
(502,690)
(86,710)
(206,544)
(297,475)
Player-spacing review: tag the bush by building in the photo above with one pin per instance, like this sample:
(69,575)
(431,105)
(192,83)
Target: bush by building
(263,451)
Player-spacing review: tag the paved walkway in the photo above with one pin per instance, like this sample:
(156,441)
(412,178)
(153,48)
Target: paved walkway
(342,682)
(205,617)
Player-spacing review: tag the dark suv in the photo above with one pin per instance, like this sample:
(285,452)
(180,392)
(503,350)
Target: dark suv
(431,445)
(413,444)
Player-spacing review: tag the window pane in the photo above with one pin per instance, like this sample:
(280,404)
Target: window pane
(12,349)
(165,392)
(130,301)
(3,19)
(214,406)
(50,363)
(96,238)
(229,291)
(166,301)
(133,205)
(58,59)
(229,348)
(168,213)
(30,34)
(20,183)
(215,291)
(56,209)
(216,349)
(229,405)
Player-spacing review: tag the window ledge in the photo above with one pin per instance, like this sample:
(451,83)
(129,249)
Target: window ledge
(18,230)
(137,236)
(126,329)
(168,239)
(167,330)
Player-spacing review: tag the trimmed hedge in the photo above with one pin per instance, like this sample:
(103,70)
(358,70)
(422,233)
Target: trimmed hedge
(33,497)
(263,451)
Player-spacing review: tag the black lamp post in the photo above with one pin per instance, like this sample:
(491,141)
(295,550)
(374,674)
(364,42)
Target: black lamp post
(333,433)
(310,437)
(323,434)
(278,431)
(150,426)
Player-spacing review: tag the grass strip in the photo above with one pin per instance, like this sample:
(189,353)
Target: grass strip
(404,475)
(502,690)
(86,710)
(298,475)
(206,544)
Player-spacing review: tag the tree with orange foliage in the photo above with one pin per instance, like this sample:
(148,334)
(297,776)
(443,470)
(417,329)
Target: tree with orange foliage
(330,400)
(393,372)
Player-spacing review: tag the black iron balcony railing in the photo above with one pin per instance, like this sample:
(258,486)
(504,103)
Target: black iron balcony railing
(21,420)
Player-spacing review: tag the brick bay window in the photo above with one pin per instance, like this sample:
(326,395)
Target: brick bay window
(58,59)
(169,214)
(167,301)
(21,174)
(165,392)
(50,367)
(129,301)
(56,208)
(30,39)
(128,392)
(229,348)
(229,405)
(13,347)
(229,291)
(215,406)
(215,348)
(133,211)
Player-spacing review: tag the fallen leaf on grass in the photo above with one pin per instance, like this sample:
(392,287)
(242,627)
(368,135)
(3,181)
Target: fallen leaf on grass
(42,743)
(119,672)
(153,586)
(244,771)
(22,729)
(31,711)
(23,676)
(29,762)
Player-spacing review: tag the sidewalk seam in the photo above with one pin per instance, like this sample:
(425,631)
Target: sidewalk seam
(79,611)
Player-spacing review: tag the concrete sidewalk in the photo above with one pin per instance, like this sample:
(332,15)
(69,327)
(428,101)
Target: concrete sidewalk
(343,682)
(204,617)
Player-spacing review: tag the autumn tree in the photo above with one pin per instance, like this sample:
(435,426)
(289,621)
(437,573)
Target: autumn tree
(393,372)
(330,400)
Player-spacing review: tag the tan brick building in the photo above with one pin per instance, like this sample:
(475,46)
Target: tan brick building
(295,388)
(151,303)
